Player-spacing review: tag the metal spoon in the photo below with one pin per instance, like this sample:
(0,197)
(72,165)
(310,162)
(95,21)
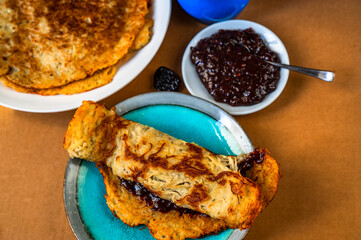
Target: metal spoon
(325,75)
(320,74)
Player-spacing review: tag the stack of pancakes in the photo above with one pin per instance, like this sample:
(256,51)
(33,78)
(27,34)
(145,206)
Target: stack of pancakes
(66,47)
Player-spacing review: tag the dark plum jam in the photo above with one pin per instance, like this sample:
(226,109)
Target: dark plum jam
(232,74)
(164,206)
(256,156)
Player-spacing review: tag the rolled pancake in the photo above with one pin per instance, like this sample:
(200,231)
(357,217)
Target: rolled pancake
(133,210)
(184,173)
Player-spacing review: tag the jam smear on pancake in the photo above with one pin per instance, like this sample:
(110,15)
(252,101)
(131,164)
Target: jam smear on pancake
(256,156)
(159,204)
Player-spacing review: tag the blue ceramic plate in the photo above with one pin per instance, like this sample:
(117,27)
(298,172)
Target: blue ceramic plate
(182,116)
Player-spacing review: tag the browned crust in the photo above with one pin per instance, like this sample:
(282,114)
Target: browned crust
(267,175)
(98,79)
(53,43)
(198,194)
(82,134)
(4,67)
(133,211)
(171,225)
(144,35)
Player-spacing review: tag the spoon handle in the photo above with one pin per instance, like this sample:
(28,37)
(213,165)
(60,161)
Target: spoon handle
(321,74)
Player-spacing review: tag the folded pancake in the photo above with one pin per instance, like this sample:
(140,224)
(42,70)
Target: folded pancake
(184,173)
(98,79)
(133,210)
(130,204)
(262,168)
(49,43)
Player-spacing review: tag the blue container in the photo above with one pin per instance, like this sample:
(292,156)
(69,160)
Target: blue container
(210,11)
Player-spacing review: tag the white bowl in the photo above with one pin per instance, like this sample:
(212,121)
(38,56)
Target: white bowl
(194,84)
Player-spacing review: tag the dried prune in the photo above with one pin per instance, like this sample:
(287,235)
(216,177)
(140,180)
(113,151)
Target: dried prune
(166,79)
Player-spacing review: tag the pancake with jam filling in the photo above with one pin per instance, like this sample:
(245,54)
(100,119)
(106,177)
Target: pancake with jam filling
(163,222)
(182,173)
(135,205)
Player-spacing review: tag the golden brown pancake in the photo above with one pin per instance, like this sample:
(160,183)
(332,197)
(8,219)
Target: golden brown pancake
(184,173)
(144,35)
(267,174)
(4,67)
(46,44)
(98,79)
(134,211)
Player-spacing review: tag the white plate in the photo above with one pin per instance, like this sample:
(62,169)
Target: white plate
(160,11)
(195,86)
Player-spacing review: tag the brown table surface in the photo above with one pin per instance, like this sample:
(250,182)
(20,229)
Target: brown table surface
(313,129)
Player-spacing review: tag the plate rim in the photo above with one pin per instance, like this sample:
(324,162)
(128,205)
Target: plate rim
(138,61)
(187,66)
(143,100)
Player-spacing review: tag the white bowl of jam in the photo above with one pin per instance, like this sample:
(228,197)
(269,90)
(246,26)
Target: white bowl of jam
(218,68)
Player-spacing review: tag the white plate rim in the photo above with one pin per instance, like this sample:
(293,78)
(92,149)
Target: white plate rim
(140,101)
(196,88)
(160,12)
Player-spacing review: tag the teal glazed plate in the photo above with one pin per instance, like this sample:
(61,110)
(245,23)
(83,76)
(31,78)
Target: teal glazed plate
(183,116)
